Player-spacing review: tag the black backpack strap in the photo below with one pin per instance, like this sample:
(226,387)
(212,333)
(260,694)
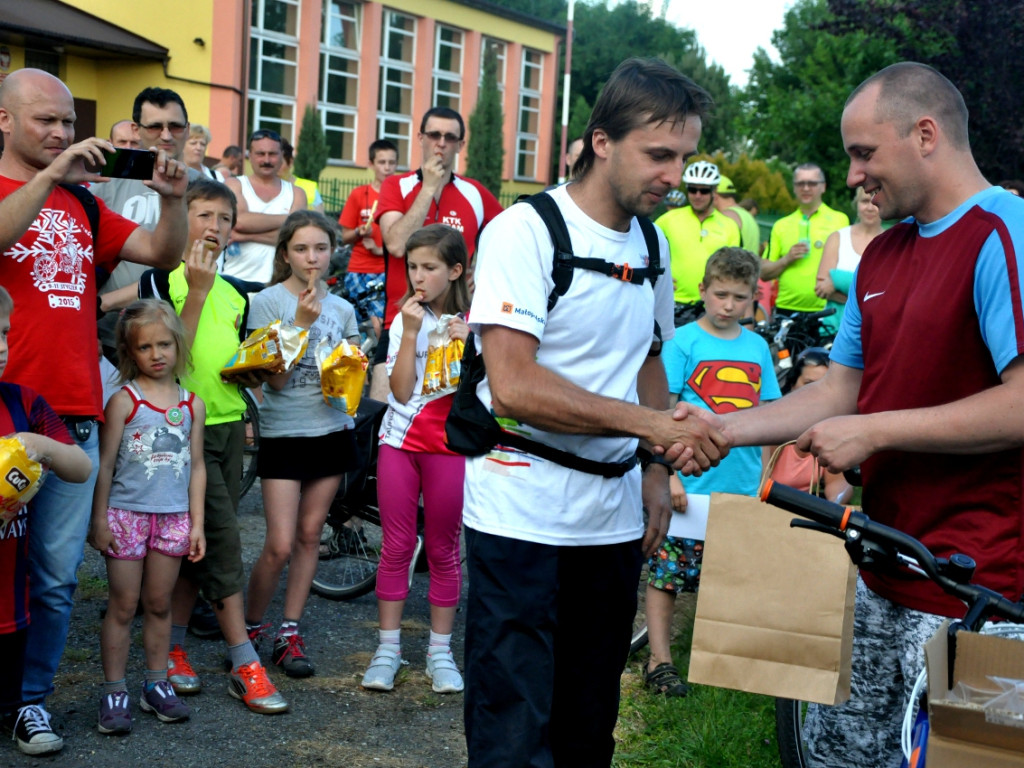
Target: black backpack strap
(11,395)
(155,284)
(654,268)
(92,208)
(92,213)
(564,262)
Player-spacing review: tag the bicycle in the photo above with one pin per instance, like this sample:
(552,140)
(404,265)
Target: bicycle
(251,418)
(350,546)
(876,547)
(789,335)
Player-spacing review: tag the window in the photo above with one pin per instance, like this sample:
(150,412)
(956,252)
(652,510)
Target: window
(44,60)
(273,62)
(394,112)
(528,125)
(339,78)
(448,68)
(499,50)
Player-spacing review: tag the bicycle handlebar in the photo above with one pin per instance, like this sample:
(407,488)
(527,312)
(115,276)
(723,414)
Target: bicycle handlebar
(952,575)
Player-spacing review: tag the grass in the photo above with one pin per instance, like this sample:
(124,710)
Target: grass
(710,728)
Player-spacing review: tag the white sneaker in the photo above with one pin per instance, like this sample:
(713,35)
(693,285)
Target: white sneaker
(33,732)
(380,675)
(442,670)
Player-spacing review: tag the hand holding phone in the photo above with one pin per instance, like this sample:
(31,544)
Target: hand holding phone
(128,164)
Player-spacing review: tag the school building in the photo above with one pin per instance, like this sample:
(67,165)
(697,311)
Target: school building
(370,69)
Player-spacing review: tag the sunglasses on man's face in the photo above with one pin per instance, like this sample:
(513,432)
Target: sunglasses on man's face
(175,129)
(449,138)
(699,190)
(265,134)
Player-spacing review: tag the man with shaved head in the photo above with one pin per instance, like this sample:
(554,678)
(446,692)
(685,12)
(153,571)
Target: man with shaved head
(49,254)
(937,428)
(124,134)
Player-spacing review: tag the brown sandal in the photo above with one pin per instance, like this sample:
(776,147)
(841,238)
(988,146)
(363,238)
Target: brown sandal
(664,679)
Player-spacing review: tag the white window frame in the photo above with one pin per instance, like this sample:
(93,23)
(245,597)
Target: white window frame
(257,95)
(502,59)
(525,137)
(454,100)
(387,64)
(329,108)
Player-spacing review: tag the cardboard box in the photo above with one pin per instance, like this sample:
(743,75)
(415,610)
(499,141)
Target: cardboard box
(960,733)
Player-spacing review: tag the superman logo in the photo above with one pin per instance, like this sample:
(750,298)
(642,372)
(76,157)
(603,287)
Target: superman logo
(727,385)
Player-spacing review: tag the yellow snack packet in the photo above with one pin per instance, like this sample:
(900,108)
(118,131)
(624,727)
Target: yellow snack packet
(20,477)
(444,361)
(342,375)
(274,348)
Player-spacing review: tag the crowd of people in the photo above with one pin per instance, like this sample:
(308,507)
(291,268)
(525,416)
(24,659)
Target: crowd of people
(595,416)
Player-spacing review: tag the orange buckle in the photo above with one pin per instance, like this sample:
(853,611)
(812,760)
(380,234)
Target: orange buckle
(623,271)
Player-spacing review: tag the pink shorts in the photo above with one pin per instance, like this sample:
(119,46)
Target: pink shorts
(137,533)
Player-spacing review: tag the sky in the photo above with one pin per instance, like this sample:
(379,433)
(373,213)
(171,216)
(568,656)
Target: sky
(730,30)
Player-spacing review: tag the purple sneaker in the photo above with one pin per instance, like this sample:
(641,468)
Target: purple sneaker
(115,717)
(163,702)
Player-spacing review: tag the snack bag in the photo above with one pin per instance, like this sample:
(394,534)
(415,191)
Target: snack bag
(342,375)
(20,477)
(275,348)
(444,361)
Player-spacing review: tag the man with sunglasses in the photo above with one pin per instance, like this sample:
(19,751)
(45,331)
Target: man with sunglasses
(161,122)
(264,202)
(797,240)
(51,251)
(432,194)
(694,232)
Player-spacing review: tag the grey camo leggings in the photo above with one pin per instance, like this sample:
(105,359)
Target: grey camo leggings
(887,657)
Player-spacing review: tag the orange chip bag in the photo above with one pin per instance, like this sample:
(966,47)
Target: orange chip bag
(444,361)
(342,375)
(274,348)
(20,477)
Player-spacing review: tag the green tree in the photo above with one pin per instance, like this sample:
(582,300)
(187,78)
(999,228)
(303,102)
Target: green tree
(486,152)
(793,107)
(311,148)
(977,44)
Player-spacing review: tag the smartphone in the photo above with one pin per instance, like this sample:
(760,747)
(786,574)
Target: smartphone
(129,164)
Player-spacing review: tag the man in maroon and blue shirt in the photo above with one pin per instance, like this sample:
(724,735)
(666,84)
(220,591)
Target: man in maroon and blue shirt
(924,392)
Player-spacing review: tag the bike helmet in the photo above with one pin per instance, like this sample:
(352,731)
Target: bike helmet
(702,172)
(675,199)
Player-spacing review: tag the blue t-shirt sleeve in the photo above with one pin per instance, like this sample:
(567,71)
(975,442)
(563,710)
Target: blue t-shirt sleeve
(769,382)
(847,348)
(998,273)
(674,358)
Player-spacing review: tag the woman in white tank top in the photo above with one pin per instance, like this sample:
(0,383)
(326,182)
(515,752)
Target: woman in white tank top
(841,255)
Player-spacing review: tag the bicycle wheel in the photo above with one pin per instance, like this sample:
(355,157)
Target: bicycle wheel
(350,553)
(789,723)
(639,637)
(251,417)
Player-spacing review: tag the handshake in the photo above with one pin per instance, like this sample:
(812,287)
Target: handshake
(690,438)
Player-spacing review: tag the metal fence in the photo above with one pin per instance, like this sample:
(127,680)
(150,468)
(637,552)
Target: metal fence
(336,191)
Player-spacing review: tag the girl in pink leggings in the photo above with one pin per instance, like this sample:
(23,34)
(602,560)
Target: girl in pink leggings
(414,459)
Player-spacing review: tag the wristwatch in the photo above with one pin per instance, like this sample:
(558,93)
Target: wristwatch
(647,459)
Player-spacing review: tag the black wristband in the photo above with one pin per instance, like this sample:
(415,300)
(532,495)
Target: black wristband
(647,459)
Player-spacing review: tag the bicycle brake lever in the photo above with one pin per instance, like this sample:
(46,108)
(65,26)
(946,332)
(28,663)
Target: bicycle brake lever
(813,526)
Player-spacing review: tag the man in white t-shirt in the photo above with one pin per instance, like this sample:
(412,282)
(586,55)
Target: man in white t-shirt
(264,202)
(554,553)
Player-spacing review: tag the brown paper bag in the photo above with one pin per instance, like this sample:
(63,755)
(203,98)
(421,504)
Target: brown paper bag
(775,606)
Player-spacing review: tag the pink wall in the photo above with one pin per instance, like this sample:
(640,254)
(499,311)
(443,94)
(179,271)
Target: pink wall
(229,47)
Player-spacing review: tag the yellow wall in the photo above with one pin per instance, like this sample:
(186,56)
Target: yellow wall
(465,17)
(117,81)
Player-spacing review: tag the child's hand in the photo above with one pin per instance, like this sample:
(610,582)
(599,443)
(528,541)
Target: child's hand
(201,267)
(196,544)
(678,493)
(412,314)
(36,447)
(458,329)
(100,538)
(309,305)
